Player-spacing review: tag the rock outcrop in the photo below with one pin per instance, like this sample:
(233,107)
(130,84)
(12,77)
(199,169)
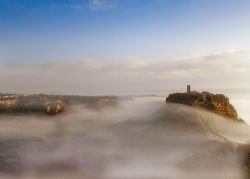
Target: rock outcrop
(30,104)
(217,103)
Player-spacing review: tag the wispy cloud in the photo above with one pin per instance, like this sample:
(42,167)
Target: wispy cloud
(95,5)
(228,69)
(102,4)
(77,6)
(13,5)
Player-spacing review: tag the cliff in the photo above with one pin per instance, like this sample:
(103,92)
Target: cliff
(217,103)
(30,104)
(51,104)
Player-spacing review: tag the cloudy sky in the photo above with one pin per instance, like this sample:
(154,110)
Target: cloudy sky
(97,47)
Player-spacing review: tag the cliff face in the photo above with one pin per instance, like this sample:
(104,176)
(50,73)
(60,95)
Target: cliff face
(30,104)
(217,103)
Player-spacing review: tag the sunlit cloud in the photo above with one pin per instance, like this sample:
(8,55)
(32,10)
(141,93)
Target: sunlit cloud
(228,69)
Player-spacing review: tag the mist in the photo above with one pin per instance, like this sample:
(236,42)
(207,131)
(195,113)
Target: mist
(140,137)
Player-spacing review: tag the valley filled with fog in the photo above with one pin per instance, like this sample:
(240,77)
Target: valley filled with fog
(138,137)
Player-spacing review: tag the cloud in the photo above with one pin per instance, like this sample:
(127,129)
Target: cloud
(229,69)
(13,5)
(102,4)
(95,5)
(77,6)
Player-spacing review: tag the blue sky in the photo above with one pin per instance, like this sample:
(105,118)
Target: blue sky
(66,30)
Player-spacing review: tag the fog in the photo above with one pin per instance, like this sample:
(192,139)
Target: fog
(139,138)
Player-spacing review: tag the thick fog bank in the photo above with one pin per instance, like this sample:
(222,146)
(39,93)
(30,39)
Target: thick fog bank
(138,138)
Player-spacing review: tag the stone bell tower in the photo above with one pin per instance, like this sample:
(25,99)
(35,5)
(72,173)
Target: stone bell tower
(188,88)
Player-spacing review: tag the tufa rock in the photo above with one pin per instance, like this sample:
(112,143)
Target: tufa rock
(217,103)
(54,106)
(39,104)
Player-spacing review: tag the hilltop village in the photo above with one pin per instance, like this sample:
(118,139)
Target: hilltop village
(217,103)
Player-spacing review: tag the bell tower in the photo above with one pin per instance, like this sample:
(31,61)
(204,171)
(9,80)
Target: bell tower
(188,88)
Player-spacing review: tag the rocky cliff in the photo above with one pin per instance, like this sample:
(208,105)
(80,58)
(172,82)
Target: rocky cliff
(51,104)
(217,103)
(30,104)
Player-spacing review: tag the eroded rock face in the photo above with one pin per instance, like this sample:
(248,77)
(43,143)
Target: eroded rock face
(54,106)
(217,103)
(30,104)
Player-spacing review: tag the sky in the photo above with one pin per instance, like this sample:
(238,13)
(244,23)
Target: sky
(40,31)
(97,47)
